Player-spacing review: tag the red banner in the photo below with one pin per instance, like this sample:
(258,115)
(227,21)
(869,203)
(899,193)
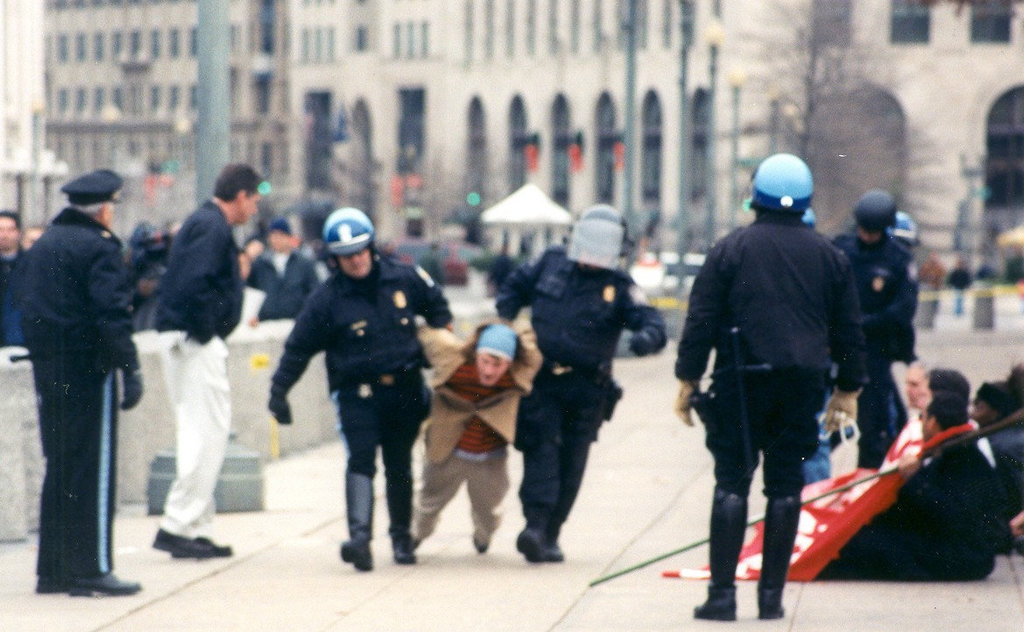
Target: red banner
(828,523)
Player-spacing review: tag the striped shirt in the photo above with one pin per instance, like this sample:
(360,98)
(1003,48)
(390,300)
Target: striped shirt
(478,437)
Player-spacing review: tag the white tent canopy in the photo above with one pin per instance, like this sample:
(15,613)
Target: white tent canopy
(527,206)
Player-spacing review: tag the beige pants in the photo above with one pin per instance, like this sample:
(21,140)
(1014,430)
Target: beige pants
(486,482)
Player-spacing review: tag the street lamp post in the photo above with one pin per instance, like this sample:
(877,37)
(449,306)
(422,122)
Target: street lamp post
(682,214)
(737,78)
(714,36)
(629,142)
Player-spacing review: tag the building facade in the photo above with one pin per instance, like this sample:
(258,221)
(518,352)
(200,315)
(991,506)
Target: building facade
(421,111)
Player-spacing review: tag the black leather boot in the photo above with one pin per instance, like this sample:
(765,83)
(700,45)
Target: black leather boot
(728,526)
(359,503)
(399,498)
(532,541)
(402,546)
(780,523)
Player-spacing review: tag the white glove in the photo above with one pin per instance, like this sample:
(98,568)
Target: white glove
(682,407)
(841,410)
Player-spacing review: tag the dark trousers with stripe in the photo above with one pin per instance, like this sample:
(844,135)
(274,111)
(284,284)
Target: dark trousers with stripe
(78,424)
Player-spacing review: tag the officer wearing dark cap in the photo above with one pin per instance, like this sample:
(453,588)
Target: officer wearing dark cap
(75,295)
(887,288)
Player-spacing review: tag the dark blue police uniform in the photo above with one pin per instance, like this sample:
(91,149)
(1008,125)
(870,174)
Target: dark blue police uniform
(578,314)
(887,289)
(367,328)
(75,295)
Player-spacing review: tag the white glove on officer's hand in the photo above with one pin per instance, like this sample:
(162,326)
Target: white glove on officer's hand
(682,407)
(841,409)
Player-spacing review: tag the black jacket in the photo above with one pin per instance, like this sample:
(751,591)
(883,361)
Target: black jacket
(887,288)
(366,327)
(201,291)
(578,314)
(285,293)
(75,293)
(790,293)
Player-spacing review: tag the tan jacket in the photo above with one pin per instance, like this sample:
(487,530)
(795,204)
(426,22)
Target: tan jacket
(449,412)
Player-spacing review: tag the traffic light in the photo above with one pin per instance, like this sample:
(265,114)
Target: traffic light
(473,198)
(264,188)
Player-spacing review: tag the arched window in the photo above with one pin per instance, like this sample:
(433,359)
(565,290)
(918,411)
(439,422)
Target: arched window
(476,151)
(607,138)
(561,134)
(518,137)
(1005,153)
(650,159)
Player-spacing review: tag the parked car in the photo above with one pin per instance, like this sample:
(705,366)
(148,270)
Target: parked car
(455,256)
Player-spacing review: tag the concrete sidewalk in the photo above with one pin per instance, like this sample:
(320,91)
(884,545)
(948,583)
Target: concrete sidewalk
(647,491)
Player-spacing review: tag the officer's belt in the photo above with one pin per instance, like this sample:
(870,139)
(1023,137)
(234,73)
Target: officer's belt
(557,369)
(383,379)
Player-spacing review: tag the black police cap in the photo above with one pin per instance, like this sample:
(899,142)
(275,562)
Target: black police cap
(875,210)
(94,187)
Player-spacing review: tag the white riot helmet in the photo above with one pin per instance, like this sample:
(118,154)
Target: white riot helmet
(597,237)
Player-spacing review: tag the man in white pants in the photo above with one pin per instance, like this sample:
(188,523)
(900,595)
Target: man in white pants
(200,304)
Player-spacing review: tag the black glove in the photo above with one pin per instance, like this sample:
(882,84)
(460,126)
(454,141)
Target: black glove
(131,387)
(642,343)
(279,407)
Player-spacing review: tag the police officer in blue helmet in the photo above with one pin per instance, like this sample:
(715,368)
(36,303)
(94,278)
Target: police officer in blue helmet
(904,229)
(580,301)
(364,319)
(887,290)
(776,302)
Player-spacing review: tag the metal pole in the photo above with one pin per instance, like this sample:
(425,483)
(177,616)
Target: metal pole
(682,214)
(629,29)
(213,123)
(734,194)
(710,196)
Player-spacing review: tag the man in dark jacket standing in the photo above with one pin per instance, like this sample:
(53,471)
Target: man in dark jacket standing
(364,319)
(887,289)
(777,303)
(200,304)
(580,302)
(75,294)
(285,274)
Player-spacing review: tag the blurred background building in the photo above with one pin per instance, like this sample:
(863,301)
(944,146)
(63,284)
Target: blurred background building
(426,112)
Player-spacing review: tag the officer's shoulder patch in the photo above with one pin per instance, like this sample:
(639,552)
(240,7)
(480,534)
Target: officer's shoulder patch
(425,276)
(638,295)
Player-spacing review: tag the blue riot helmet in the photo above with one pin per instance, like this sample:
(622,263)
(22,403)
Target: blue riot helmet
(809,218)
(904,228)
(875,211)
(597,237)
(782,182)
(347,231)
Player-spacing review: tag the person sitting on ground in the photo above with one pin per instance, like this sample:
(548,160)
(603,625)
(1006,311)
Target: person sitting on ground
(477,388)
(993,402)
(947,523)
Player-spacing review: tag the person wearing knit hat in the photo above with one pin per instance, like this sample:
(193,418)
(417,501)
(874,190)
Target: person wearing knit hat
(477,388)
(283,272)
(992,402)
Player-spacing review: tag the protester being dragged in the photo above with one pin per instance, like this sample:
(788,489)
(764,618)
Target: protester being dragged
(477,388)
(948,521)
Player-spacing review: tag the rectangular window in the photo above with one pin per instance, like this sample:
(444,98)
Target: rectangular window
(411,37)
(174,43)
(80,47)
(62,48)
(362,38)
(553,27)
(173,98)
(154,99)
(510,29)
(396,40)
(911,22)
(574,28)
(990,22)
(62,101)
(425,40)
(116,45)
(98,99)
(489,29)
(134,44)
(263,95)
(81,101)
(305,46)
(99,46)
(193,41)
(598,28)
(154,44)
(117,98)
(531,27)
